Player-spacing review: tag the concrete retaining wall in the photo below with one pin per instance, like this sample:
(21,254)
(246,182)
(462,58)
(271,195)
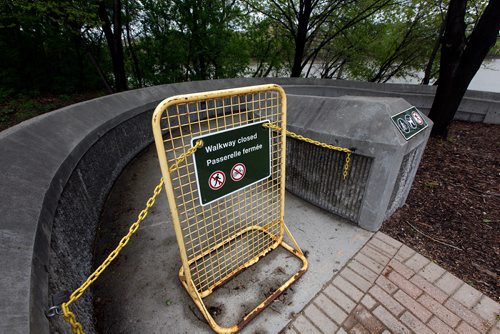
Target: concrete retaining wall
(74,152)
(57,170)
(475,107)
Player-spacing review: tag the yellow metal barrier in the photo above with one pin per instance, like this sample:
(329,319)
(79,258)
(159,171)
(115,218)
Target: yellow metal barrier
(260,227)
(219,239)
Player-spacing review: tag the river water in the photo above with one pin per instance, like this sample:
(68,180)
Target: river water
(487,77)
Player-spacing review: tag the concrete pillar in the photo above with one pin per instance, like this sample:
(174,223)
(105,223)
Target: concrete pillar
(383,166)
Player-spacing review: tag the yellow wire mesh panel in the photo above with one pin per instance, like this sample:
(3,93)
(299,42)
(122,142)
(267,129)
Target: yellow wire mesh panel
(219,239)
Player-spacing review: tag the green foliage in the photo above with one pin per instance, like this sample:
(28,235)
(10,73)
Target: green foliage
(41,47)
(495,50)
(398,41)
(268,46)
(5,93)
(395,42)
(57,46)
(189,40)
(20,107)
(213,48)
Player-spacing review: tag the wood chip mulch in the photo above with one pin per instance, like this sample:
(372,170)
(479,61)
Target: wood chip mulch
(455,199)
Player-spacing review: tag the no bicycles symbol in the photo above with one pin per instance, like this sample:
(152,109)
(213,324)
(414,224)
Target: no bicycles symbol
(231,160)
(238,172)
(217,180)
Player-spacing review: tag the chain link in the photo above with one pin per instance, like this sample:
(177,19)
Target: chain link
(69,316)
(346,165)
(317,143)
(183,156)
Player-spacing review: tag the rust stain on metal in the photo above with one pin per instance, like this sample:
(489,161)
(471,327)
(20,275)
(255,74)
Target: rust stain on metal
(261,307)
(201,273)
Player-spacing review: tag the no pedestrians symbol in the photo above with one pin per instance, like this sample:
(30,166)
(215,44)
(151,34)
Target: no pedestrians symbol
(217,180)
(238,172)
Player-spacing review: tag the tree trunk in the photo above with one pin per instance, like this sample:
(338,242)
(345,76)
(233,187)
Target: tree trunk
(432,58)
(114,41)
(119,62)
(100,72)
(460,61)
(301,37)
(131,48)
(269,69)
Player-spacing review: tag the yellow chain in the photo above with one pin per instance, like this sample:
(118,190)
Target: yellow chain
(317,143)
(69,316)
(183,156)
(346,164)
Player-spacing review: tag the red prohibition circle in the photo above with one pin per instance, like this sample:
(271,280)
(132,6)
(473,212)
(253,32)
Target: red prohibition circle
(216,180)
(417,118)
(238,172)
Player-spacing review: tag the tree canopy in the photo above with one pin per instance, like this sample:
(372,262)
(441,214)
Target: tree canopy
(61,46)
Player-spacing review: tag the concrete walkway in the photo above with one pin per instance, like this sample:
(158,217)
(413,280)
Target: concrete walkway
(378,286)
(389,288)
(141,292)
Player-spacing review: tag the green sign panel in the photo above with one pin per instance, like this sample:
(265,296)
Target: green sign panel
(409,122)
(231,160)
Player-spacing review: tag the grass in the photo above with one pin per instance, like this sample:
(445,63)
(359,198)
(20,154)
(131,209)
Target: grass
(16,109)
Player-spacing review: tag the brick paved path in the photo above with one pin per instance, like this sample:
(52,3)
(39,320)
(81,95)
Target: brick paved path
(389,288)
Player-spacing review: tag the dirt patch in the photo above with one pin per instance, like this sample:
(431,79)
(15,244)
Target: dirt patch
(215,311)
(17,109)
(455,199)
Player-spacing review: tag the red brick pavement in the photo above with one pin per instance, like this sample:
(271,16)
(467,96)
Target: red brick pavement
(389,288)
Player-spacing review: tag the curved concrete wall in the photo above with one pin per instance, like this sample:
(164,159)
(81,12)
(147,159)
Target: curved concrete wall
(475,107)
(57,170)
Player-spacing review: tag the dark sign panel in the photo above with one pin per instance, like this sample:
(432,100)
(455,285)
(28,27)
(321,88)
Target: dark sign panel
(231,160)
(409,122)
